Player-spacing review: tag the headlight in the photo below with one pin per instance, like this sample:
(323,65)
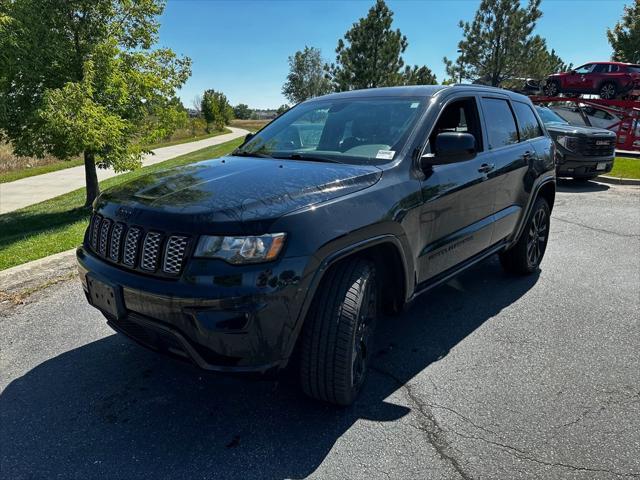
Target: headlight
(570,143)
(238,250)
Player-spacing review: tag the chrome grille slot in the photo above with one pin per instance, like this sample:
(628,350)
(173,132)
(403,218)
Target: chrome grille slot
(174,254)
(150,251)
(95,230)
(116,240)
(131,246)
(104,236)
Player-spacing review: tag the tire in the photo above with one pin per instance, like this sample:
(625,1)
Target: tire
(608,91)
(525,256)
(551,89)
(337,337)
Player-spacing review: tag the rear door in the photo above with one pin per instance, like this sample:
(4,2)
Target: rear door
(510,158)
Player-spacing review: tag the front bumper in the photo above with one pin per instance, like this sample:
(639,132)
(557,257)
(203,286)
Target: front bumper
(579,166)
(219,316)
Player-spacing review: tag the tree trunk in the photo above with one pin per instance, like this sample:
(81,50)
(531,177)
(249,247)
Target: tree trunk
(91,176)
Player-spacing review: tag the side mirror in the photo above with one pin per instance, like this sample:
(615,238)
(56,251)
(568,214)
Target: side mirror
(573,72)
(451,147)
(248,137)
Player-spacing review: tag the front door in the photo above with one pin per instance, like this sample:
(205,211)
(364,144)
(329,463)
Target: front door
(456,216)
(579,81)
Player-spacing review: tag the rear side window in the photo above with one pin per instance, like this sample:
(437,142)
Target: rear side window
(501,126)
(527,122)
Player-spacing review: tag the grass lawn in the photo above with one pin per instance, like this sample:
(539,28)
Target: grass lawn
(251,125)
(12,175)
(625,168)
(58,224)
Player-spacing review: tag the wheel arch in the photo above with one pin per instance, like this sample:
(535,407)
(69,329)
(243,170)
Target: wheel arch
(545,189)
(387,252)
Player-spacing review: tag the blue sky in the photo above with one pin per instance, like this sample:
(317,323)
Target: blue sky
(241,47)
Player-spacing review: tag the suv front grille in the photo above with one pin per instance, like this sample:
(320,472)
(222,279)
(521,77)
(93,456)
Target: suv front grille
(134,248)
(598,146)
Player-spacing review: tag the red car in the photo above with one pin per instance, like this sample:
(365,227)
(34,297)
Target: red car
(607,79)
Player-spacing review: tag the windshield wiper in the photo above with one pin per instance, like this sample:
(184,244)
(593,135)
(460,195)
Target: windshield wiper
(310,158)
(244,153)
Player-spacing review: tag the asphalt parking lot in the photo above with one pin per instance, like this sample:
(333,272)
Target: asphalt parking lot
(486,377)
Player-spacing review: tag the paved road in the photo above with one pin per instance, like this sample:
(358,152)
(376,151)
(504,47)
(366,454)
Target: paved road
(487,377)
(30,190)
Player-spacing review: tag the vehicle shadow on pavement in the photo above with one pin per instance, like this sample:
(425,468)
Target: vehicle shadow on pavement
(572,186)
(112,409)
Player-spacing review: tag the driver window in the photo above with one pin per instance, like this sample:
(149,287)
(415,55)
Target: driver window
(584,69)
(459,116)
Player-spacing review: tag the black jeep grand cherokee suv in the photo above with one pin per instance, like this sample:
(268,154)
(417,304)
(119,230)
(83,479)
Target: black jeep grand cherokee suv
(345,206)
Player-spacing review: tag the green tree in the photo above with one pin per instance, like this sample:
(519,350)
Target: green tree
(370,54)
(242,111)
(625,36)
(216,109)
(499,43)
(418,76)
(282,109)
(80,77)
(306,78)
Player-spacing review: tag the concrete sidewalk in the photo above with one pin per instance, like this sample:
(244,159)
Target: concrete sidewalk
(30,190)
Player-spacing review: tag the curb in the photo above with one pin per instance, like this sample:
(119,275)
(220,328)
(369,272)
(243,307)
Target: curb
(35,274)
(617,181)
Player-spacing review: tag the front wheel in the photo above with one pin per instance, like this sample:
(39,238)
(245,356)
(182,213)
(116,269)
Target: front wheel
(551,89)
(337,337)
(525,256)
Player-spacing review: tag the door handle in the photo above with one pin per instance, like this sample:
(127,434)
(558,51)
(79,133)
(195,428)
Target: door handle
(486,167)
(526,155)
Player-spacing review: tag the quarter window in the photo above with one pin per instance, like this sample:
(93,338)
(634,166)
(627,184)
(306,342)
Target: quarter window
(501,126)
(527,122)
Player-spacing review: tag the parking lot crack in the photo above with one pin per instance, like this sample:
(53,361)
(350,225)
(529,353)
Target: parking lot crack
(429,425)
(596,229)
(524,455)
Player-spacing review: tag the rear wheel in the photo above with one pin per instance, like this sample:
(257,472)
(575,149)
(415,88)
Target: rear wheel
(608,91)
(337,337)
(525,256)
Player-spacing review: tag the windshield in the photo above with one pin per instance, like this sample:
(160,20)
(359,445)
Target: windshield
(548,116)
(365,131)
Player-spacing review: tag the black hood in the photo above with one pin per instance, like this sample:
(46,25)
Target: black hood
(233,190)
(575,130)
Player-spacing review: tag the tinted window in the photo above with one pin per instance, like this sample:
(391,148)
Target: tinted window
(614,68)
(549,116)
(601,68)
(634,68)
(527,121)
(459,116)
(501,126)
